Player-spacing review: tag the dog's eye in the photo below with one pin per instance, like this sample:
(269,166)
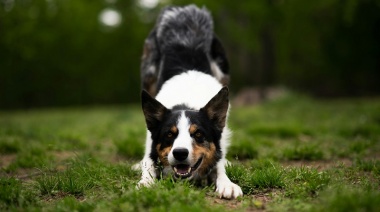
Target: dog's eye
(169,135)
(198,136)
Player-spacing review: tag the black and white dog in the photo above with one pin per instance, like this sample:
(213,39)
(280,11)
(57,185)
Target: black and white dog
(184,66)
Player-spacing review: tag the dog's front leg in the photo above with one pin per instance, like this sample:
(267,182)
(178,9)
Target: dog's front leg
(224,186)
(148,172)
(147,165)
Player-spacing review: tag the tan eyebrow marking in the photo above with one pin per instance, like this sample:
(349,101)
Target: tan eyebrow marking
(174,129)
(193,128)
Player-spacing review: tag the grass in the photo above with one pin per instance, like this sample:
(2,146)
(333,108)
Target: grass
(13,194)
(348,199)
(288,154)
(306,152)
(255,179)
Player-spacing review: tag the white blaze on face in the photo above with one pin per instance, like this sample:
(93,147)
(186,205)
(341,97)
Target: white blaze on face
(183,139)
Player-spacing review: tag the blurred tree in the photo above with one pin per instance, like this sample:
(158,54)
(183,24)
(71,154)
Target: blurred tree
(57,52)
(324,47)
(330,47)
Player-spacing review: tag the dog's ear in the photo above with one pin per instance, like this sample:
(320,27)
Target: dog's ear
(216,109)
(154,111)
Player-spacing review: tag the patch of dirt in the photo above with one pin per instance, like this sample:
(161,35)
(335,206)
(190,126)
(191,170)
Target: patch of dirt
(26,174)
(60,195)
(257,202)
(230,204)
(319,165)
(64,155)
(6,160)
(253,96)
(61,157)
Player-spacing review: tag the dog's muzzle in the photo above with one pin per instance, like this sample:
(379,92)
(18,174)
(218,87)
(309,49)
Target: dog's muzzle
(182,170)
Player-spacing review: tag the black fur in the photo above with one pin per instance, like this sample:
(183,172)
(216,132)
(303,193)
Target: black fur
(216,109)
(160,132)
(219,56)
(188,25)
(185,42)
(154,111)
(208,119)
(180,59)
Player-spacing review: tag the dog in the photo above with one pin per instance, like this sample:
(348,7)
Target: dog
(184,76)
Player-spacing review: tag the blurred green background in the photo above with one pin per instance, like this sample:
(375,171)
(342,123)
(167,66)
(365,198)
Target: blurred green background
(85,52)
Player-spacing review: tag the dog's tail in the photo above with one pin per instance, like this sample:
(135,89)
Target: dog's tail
(188,26)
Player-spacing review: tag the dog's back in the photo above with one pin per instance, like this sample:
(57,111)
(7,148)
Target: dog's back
(185,35)
(182,40)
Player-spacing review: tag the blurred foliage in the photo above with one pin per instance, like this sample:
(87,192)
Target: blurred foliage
(57,52)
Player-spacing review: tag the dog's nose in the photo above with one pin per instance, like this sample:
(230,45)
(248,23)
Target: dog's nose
(180,153)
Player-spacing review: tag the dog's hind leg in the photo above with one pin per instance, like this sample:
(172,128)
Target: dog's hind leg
(149,64)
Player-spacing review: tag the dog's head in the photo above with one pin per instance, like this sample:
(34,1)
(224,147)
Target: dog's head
(186,141)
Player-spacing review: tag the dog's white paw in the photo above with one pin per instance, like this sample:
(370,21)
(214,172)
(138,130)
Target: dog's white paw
(145,182)
(136,166)
(228,189)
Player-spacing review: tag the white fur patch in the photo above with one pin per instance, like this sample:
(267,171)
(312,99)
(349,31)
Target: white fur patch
(216,70)
(147,164)
(193,88)
(152,69)
(224,187)
(183,139)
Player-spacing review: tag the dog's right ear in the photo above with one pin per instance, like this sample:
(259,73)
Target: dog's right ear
(154,111)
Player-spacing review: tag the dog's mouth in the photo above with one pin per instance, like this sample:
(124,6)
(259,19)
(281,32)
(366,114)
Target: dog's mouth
(185,170)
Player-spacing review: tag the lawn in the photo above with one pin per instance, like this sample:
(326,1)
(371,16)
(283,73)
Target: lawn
(293,153)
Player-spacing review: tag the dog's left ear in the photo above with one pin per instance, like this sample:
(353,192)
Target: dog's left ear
(216,109)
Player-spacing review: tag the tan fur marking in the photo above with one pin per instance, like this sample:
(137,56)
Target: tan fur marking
(225,80)
(163,154)
(208,156)
(146,50)
(174,129)
(193,128)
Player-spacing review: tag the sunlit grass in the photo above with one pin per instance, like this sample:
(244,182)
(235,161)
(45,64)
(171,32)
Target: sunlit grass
(349,199)
(13,194)
(258,176)
(304,181)
(305,152)
(293,153)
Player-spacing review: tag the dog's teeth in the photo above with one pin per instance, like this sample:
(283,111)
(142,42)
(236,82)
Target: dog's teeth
(181,173)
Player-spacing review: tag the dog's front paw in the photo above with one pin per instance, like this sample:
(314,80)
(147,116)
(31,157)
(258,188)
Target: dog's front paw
(136,167)
(228,189)
(145,182)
